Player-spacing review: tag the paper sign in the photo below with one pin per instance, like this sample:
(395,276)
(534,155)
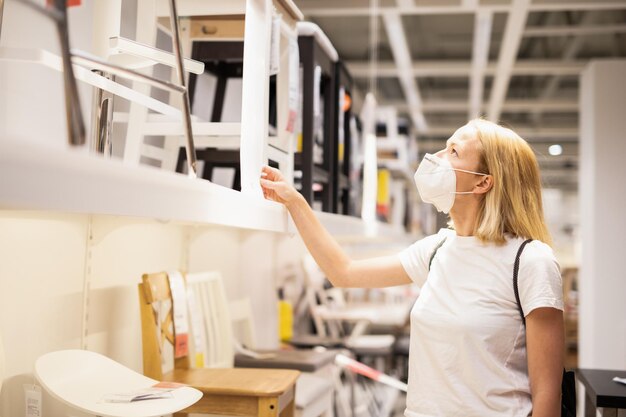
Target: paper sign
(32,398)
(342,102)
(275,45)
(317,82)
(294,84)
(620,380)
(179,309)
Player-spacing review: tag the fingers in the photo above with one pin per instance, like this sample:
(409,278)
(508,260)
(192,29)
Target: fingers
(271,172)
(268,184)
(269,189)
(267,168)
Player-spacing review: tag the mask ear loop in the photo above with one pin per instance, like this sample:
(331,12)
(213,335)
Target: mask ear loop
(469,172)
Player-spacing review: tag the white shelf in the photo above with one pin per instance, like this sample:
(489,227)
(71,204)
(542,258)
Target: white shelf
(36,177)
(67,180)
(354,230)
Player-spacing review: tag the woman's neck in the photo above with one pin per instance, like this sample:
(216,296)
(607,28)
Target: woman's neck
(464,217)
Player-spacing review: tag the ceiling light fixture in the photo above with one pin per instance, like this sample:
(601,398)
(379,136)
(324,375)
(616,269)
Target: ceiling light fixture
(555,150)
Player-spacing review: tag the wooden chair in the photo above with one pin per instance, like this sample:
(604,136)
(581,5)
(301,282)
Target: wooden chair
(314,393)
(232,391)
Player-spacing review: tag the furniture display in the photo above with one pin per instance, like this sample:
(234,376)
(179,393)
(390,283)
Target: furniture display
(397,161)
(91,189)
(233,391)
(82,379)
(368,399)
(314,390)
(313,394)
(317,150)
(93,185)
(369,159)
(330,322)
(214,24)
(219,42)
(343,198)
(101,74)
(601,392)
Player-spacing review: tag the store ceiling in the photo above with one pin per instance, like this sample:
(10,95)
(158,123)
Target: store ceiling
(450,60)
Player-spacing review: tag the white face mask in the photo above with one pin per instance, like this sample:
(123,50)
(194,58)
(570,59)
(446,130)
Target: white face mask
(436,182)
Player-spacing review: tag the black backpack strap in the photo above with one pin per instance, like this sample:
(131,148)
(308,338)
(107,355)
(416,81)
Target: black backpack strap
(430,261)
(515,272)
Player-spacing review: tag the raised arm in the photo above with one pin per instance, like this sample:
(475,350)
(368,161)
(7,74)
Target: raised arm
(342,271)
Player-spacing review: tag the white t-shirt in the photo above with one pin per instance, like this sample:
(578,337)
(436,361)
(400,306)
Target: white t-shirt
(468,343)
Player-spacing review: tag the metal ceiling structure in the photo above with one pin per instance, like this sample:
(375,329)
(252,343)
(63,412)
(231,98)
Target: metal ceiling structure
(442,62)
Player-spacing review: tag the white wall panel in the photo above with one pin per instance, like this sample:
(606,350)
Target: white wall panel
(122,250)
(41,271)
(603,225)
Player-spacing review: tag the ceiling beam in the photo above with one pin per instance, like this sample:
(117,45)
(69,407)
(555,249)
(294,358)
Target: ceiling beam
(574,30)
(570,149)
(512,106)
(569,53)
(404,4)
(480,56)
(530,134)
(330,9)
(469,4)
(402,58)
(509,47)
(449,68)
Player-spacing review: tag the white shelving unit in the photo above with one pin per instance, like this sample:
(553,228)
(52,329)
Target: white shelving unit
(69,180)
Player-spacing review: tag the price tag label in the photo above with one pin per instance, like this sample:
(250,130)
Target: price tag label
(32,398)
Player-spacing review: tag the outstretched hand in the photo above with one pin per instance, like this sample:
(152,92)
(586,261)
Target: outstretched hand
(275,187)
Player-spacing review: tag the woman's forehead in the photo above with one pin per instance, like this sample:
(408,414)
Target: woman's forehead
(465,136)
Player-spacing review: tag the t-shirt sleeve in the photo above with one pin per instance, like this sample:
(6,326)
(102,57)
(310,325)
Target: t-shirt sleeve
(415,258)
(539,281)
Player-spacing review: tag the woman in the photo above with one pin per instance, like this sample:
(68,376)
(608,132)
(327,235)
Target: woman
(470,353)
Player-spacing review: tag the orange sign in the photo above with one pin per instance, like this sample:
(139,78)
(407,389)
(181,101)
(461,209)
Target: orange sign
(70,3)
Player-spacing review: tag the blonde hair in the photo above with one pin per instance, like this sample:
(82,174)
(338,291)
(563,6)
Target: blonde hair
(513,205)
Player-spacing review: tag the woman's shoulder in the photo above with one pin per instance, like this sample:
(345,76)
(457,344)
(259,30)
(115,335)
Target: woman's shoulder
(539,249)
(535,252)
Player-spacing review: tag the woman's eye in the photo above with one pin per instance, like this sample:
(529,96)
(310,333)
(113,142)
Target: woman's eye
(453,151)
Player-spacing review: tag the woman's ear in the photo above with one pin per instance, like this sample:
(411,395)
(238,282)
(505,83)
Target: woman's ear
(484,185)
